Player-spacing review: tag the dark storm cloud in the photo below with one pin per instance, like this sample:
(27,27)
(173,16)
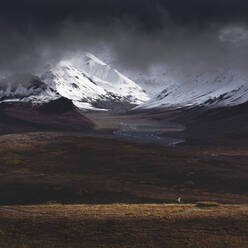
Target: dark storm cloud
(49,13)
(138,33)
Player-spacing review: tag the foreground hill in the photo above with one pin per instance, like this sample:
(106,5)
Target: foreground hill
(80,182)
(59,114)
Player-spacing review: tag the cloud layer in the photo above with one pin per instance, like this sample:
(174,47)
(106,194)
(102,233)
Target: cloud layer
(137,35)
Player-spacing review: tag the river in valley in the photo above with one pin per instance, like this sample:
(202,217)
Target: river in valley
(138,128)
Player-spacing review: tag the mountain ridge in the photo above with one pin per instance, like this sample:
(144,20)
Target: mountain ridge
(90,84)
(209,89)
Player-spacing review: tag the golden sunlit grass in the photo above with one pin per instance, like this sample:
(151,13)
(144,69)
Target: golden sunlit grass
(123,225)
(207,204)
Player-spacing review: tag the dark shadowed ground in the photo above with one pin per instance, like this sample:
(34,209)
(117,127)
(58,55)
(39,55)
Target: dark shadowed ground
(124,190)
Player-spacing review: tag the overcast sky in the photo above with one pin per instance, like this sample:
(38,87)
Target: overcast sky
(132,35)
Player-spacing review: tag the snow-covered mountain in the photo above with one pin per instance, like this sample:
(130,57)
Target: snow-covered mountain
(88,82)
(91,84)
(25,87)
(211,89)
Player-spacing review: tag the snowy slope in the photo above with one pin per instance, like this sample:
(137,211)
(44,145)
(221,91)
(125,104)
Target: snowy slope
(212,89)
(91,81)
(71,83)
(90,84)
(111,80)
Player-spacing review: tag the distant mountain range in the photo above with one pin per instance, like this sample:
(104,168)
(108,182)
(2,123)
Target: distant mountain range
(90,84)
(210,89)
(93,85)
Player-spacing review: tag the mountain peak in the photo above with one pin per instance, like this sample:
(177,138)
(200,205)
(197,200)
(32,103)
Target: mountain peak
(89,83)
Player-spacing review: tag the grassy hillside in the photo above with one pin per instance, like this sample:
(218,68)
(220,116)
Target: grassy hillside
(63,190)
(123,225)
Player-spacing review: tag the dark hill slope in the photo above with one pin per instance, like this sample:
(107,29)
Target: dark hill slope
(58,115)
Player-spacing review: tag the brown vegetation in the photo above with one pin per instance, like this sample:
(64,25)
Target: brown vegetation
(123,225)
(41,167)
(58,170)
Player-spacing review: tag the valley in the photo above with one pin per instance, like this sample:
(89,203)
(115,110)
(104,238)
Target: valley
(87,159)
(124,124)
(136,127)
